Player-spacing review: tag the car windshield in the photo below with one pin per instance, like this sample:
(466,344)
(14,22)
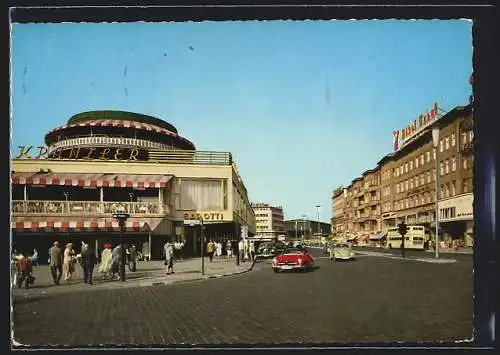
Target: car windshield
(341,246)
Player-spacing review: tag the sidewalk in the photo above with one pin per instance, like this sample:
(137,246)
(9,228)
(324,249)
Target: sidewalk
(148,273)
(464,250)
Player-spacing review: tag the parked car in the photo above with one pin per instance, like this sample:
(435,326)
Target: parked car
(341,251)
(293,259)
(266,250)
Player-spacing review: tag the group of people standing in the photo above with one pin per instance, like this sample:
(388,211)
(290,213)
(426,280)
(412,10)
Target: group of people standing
(244,249)
(62,263)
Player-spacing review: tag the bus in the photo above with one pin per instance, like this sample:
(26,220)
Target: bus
(414,239)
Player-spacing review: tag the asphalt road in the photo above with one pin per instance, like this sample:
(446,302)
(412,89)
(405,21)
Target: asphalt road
(371,299)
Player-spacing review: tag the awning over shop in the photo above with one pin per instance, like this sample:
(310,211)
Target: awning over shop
(80,225)
(97,180)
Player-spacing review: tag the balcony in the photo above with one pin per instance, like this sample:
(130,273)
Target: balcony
(88,208)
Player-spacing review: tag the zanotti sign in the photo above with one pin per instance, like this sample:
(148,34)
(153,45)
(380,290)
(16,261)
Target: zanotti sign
(405,135)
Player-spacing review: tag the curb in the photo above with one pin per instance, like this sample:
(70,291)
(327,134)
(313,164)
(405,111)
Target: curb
(206,277)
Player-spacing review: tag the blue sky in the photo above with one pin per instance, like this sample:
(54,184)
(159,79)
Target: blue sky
(304,106)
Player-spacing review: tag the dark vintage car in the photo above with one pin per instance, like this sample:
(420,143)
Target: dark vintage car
(296,258)
(269,249)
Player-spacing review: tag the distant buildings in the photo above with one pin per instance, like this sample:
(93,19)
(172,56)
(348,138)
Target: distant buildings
(306,228)
(401,188)
(268,220)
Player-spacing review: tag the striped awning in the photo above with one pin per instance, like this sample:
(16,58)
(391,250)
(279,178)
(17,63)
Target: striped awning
(78,225)
(121,123)
(97,180)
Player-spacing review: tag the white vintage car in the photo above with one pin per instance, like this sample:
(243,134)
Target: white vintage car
(341,251)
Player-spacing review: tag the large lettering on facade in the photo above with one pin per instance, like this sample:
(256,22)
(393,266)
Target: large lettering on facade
(206,216)
(84,153)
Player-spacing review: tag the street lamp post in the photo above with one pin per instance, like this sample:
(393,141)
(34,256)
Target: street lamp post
(435,143)
(121,218)
(304,226)
(319,232)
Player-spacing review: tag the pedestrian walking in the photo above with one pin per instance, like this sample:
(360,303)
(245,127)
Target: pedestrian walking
(210,249)
(252,251)
(116,256)
(24,269)
(218,248)
(68,262)
(56,262)
(106,260)
(132,262)
(241,250)
(229,249)
(34,258)
(89,259)
(169,257)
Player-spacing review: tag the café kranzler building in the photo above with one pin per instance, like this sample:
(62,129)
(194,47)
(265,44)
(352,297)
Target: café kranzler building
(106,162)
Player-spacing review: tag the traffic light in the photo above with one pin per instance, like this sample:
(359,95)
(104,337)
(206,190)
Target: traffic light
(403,228)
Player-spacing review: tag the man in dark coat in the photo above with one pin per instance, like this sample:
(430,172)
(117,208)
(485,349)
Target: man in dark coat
(89,260)
(132,260)
(56,262)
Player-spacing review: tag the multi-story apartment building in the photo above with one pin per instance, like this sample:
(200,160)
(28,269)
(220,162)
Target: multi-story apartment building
(338,219)
(268,220)
(402,186)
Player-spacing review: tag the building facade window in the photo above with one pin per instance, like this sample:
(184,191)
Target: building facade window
(397,188)
(464,162)
(411,165)
(441,168)
(428,156)
(453,164)
(406,185)
(411,183)
(434,154)
(416,162)
(471,135)
(441,192)
(447,143)
(422,159)
(422,179)
(428,177)
(406,167)
(453,140)
(447,166)
(464,137)
(453,188)
(440,145)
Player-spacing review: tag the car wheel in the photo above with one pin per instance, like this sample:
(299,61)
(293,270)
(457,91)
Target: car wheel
(276,270)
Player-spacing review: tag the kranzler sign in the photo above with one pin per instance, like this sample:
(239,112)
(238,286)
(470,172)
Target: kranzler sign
(84,153)
(206,216)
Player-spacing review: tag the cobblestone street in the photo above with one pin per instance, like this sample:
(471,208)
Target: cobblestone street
(371,299)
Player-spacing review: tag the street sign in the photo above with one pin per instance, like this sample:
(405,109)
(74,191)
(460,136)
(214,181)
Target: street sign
(192,222)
